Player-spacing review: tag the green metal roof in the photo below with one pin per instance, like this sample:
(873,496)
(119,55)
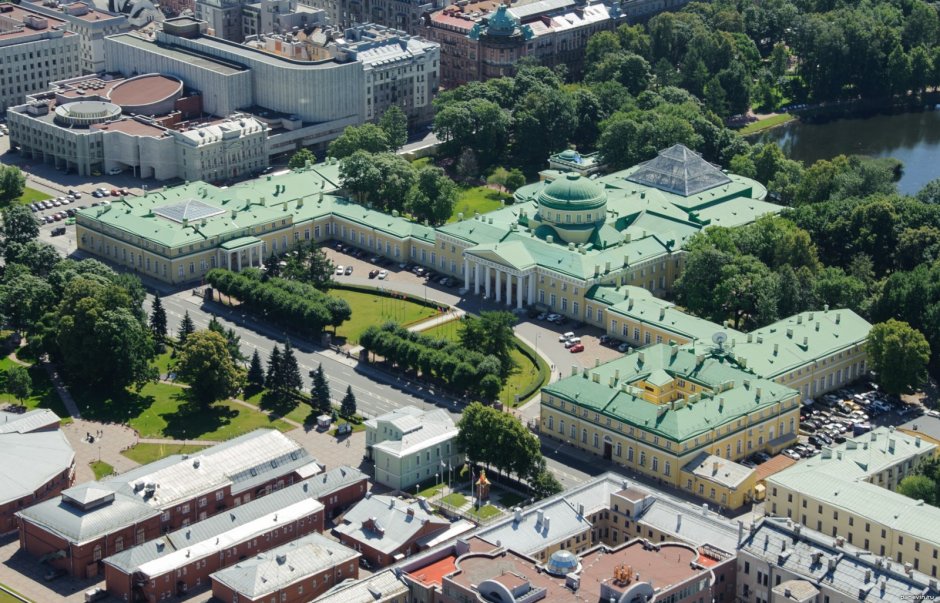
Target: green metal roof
(612,396)
(573,192)
(240,242)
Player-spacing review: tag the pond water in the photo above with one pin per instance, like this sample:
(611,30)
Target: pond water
(913,138)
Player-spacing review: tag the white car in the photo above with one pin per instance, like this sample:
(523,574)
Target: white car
(933,413)
(566,336)
(383,274)
(114,171)
(340,269)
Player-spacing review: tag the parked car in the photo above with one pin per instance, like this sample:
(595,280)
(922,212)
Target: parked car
(573,342)
(605,339)
(933,413)
(95,594)
(578,347)
(566,336)
(114,171)
(115,192)
(58,231)
(623,347)
(373,273)
(340,270)
(761,457)
(349,270)
(383,274)
(793,454)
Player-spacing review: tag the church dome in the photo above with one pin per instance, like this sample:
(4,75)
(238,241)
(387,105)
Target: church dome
(573,192)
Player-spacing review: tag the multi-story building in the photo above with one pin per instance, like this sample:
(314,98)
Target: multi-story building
(385,586)
(95,125)
(86,523)
(847,492)
(91,25)
(780,561)
(656,410)
(36,462)
(405,15)
(180,561)
(408,446)
(385,529)
(280,16)
(296,572)
(35,49)
(485,39)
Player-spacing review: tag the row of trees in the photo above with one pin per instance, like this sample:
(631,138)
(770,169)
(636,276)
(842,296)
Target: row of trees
(460,369)
(390,134)
(497,439)
(391,183)
(297,305)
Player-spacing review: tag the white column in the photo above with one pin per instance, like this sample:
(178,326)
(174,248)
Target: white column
(498,276)
(476,278)
(466,274)
(508,289)
(238,259)
(519,291)
(532,288)
(486,283)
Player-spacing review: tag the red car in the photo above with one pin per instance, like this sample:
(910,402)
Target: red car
(578,347)
(115,192)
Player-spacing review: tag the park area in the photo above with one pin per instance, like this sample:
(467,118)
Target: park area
(370,308)
(525,380)
(478,199)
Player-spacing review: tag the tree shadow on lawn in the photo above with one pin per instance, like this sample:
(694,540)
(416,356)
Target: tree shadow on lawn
(111,407)
(192,419)
(278,405)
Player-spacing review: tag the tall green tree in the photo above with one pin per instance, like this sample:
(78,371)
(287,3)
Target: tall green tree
(492,334)
(898,354)
(233,340)
(19,225)
(367,137)
(272,265)
(205,363)
(274,379)
(394,123)
(301,158)
(319,268)
(158,323)
(919,487)
(291,371)
(320,392)
(12,183)
(18,383)
(433,196)
(347,407)
(187,328)
(255,377)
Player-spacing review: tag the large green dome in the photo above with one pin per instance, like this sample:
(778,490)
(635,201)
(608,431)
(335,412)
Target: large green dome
(573,192)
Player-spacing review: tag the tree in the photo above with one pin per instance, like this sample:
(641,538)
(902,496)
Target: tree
(396,177)
(292,381)
(320,392)
(18,383)
(255,377)
(319,268)
(187,328)
(544,483)
(274,379)
(24,299)
(204,362)
(394,123)
(515,180)
(492,334)
(930,193)
(301,158)
(498,177)
(272,265)
(360,175)
(158,319)
(233,340)
(898,354)
(347,407)
(19,225)
(12,183)
(433,197)
(367,137)
(919,487)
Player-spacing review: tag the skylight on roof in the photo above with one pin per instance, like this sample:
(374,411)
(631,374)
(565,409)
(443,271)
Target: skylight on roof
(192,209)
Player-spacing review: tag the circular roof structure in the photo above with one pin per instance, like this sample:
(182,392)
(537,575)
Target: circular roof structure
(570,155)
(85,113)
(562,563)
(150,94)
(501,23)
(573,192)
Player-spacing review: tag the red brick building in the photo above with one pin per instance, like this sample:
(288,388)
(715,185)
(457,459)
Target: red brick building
(181,561)
(36,462)
(385,529)
(78,529)
(296,572)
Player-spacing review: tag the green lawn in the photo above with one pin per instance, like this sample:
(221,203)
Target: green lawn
(101,469)
(764,124)
(431,491)
(31,195)
(148,453)
(510,499)
(455,499)
(44,394)
(421,162)
(485,512)
(300,413)
(162,362)
(8,598)
(369,309)
(161,410)
(525,378)
(477,199)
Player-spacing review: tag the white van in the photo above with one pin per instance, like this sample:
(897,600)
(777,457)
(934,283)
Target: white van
(566,336)
(572,341)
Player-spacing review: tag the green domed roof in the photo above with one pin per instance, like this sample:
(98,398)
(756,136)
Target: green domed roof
(573,192)
(502,22)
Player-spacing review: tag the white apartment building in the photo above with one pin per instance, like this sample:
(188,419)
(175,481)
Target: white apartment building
(91,25)
(35,49)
